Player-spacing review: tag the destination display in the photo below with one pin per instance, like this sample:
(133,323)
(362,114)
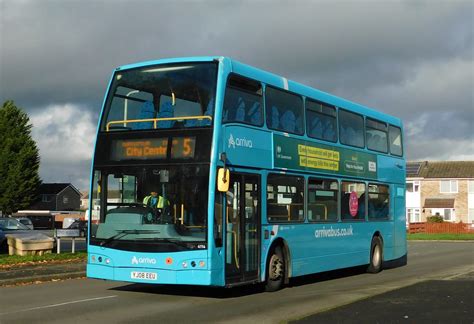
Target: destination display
(291,153)
(152,149)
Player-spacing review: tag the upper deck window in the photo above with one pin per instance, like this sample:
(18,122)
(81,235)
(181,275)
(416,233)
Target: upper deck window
(284,111)
(243,101)
(395,140)
(161,96)
(376,135)
(351,128)
(321,121)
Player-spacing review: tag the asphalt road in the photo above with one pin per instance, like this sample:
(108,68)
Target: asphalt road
(94,301)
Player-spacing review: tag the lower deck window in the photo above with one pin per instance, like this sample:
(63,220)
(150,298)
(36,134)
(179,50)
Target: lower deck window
(353,200)
(285,198)
(322,200)
(378,201)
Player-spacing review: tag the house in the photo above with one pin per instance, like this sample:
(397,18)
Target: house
(84,200)
(57,196)
(444,188)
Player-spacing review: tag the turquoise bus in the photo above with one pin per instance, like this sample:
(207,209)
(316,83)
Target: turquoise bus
(208,171)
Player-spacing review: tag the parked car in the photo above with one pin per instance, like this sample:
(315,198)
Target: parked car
(81,225)
(9,225)
(26,221)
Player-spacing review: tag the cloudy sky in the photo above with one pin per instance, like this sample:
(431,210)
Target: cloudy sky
(411,59)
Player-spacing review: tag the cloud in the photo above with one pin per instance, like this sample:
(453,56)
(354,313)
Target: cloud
(411,59)
(65,137)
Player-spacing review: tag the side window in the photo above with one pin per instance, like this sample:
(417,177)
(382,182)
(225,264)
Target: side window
(395,140)
(378,201)
(284,111)
(376,135)
(351,128)
(322,200)
(285,198)
(243,101)
(353,200)
(321,121)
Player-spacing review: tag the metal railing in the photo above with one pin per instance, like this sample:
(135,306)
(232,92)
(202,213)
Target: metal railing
(154,120)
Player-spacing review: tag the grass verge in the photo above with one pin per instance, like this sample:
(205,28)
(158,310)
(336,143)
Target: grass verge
(441,237)
(9,260)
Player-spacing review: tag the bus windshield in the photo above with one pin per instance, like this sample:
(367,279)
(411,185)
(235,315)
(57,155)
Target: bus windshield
(161,96)
(156,206)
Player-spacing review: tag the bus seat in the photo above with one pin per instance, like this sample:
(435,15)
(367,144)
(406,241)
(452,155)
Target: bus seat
(328,131)
(166,111)
(275,120)
(315,129)
(203,122)
(240,112)
(288,121)
(209,111)
(147,111)
(255,114)
(299,124)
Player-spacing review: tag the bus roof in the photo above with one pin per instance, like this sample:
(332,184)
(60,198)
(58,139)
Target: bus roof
(277,81)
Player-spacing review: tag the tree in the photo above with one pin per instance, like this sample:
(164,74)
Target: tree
(19,160)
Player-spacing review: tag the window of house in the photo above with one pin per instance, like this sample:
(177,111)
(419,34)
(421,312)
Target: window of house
(395,140)
(378,201)
(322,200)
(470,216)
(243,101)
(65,200)
(471,186)
(446,213)
(321,121)
(285,198)
(351,128)
(284,111)
(376,135)
(448,186)
(353,200)
(413,215)
(413,186)
(46,198)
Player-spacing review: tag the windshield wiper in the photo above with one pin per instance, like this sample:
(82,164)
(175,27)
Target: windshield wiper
(176,242)
(123,233)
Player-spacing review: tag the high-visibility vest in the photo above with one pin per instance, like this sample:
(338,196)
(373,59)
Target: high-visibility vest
(160,202)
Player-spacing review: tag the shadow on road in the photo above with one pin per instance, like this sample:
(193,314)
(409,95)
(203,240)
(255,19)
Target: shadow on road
(240,291)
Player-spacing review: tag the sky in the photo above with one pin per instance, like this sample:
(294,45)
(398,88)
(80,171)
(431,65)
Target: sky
(410,59)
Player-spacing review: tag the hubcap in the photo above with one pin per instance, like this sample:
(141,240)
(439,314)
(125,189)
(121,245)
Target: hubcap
(276,267)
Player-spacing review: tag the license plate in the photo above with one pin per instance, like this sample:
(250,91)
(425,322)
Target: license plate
(143,275)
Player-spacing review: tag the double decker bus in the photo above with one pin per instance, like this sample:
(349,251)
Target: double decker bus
(208,171)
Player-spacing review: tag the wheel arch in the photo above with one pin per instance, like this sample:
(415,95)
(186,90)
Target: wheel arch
(286,253)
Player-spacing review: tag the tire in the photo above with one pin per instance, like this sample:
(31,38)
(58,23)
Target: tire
(376,255)
(276,270)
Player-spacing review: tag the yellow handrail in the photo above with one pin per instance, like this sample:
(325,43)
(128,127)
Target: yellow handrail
(155,120)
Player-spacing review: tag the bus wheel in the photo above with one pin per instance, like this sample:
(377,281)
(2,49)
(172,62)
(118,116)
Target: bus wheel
(275,270)
(376,255)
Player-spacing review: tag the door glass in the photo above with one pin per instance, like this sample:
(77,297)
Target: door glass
(251,217)
(233,227)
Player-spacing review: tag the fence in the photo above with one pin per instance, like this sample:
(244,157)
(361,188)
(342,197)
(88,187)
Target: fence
(446,227)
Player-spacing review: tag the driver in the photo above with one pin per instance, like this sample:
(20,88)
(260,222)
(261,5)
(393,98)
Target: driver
(156,201)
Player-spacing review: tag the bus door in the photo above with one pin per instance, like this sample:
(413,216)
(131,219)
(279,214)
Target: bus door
(242,228)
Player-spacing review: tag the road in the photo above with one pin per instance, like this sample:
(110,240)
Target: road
(93,301)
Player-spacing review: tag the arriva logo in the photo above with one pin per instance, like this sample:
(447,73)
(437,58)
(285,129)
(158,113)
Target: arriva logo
(239,142)
(136,260)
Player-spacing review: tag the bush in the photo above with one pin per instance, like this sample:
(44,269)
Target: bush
(435,219)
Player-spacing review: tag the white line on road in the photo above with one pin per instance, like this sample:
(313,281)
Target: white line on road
(57,305)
